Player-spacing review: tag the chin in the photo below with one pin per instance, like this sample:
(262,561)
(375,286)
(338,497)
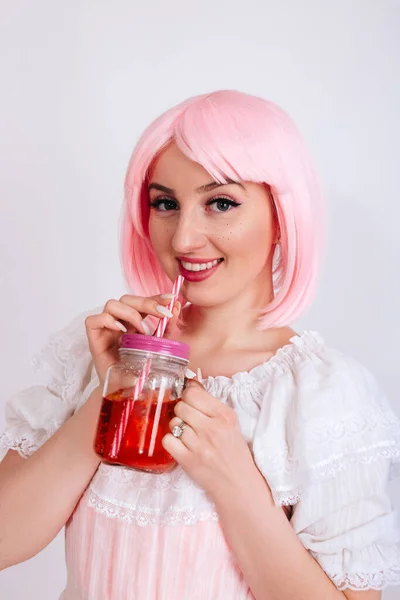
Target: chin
(203,298)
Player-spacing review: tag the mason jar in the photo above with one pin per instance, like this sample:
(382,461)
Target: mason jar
(139,396)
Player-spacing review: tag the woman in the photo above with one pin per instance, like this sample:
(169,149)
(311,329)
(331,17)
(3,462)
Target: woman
(219,189)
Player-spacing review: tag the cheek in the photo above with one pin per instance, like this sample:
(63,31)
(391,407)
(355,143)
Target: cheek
(259,235)
(246,237)
(160,233)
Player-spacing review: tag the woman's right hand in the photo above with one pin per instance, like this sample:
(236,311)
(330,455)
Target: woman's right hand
(126,315)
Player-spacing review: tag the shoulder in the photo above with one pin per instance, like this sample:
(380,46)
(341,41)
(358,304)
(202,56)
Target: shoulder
(65,363)
(74,328)
(65,376)
(312,365)
(323,411)
(326,385)
(66,343)
(329,384)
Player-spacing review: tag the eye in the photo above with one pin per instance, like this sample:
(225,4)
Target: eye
(164,204)
(222,204)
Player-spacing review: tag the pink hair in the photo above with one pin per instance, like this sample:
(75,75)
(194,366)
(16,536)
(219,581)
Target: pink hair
(242,138)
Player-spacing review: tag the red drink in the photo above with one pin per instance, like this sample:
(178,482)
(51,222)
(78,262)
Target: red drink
(130,431)
(139,396)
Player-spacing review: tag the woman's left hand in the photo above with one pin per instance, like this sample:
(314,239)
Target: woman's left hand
(211,449)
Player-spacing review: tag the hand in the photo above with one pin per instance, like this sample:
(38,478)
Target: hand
(127,315)
(212,449)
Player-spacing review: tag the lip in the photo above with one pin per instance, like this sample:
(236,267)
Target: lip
(196,276)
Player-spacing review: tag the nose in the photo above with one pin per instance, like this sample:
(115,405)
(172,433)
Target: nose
(189,234)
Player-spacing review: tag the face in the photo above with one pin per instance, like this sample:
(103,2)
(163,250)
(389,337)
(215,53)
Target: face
(219,237)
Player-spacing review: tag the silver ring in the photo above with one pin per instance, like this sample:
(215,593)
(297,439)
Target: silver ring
(178,429)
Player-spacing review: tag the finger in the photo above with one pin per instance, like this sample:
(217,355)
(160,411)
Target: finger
(149,324)
(157,306)
(104,321)
(176,449)
(196,397)
(189,437)
(194,382)
(176,310)
(132,309)
(126,314)
(192,416)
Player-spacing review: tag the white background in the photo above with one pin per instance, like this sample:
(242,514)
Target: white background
(80,80)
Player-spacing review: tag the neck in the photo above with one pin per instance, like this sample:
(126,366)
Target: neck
(230,323)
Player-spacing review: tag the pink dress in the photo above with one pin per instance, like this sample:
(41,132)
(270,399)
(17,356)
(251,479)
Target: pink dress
(321,432)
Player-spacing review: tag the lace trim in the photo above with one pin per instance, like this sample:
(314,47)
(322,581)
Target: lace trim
(67,359)
(377,580)
(24,446)
(330,433)
(176,480)
(290,495)
(369,420)
(68,384)
(287,498)
(147,516)
(329,467)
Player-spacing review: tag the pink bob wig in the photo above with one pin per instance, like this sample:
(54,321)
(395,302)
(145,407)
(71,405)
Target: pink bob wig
(236,137)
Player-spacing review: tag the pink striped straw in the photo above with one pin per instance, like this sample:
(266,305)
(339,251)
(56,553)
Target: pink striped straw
(162,325)
(120,431)
(142,378)
(154,431)
(176,288)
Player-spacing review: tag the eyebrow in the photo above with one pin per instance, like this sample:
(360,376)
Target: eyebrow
(203,188)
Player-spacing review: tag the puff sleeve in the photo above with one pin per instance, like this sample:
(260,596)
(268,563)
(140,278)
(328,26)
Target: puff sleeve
(330,450)
(67,378)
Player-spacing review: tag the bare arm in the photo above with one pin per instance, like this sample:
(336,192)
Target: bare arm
(214,453)
(273,560)
(38,494)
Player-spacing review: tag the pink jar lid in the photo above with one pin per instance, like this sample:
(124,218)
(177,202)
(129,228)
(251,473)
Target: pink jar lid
(150,343)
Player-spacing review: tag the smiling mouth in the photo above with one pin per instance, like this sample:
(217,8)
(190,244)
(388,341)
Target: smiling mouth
(203,266)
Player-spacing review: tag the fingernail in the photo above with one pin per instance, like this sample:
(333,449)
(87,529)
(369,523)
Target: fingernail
(163,310)
(190,374)
(199,375)
(168,296)
(121,327)
(146,327)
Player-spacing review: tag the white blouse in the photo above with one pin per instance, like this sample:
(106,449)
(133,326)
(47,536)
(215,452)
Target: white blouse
(321,432)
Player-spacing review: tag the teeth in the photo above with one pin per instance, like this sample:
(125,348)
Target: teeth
(199,267)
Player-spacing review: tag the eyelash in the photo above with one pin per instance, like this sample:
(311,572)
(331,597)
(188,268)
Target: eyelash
(232,203)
